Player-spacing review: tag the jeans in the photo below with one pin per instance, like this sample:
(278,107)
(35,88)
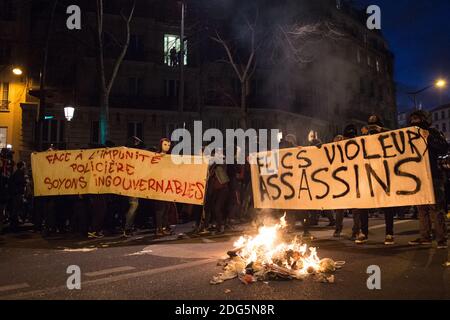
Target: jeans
(429,214)
(339,220)
(389,220)
(131,214)
(361,221)
(162,214)
(215,208)
(99,207)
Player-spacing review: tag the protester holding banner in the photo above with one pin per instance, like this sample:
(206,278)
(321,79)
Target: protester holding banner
(290,141)
(339,214)
(133,201)
(375,126)
(162,208)
(437,146)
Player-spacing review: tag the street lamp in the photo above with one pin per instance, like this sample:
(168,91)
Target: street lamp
(17,71)
(440,84)
(69,112)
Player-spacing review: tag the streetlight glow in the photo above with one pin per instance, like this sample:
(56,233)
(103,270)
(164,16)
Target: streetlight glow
(69,112)
(17,71)
(441,83)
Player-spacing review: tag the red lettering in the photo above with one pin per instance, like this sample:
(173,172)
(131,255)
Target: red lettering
(177,186)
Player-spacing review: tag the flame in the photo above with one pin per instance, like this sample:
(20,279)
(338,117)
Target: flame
(268,248)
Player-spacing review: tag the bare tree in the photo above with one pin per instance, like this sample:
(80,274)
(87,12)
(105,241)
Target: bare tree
(244,71)
(107,84)
(291,42)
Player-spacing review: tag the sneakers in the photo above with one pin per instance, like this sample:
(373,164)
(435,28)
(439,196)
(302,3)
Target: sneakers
(127,233)
(95,235)
(354,237)
(420,242)
(389,241)
(362,238)
(337,234)
(442,245)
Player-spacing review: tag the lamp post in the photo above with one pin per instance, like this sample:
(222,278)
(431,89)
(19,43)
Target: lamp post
(69,112)
(440,84)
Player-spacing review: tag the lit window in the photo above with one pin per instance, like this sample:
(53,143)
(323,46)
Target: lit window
(378,66)
(3,137)
(172,48)
(4,102)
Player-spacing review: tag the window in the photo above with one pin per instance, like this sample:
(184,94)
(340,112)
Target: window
(369,61)
(135,130)
(53,132)
(378,66)
(7,10)
(436,116)
(358,55)
(171,88)
(3,137)
(448,114)
(442,115)
(437,127)
(444,127)
(136,45)
(172,48)
(4,102)
(135,86)
(95,132)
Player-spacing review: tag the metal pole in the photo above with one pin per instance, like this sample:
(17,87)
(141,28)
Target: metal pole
(181,62)
(68,135)
(42,79)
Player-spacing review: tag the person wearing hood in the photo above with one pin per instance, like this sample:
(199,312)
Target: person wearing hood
(437,147)
(162,208)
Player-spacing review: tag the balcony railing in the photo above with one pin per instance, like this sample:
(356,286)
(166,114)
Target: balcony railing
(4,105)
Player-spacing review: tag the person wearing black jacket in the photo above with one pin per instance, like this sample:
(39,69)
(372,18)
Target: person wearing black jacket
(437,146)
(375,126)
(17,186)
(133,201)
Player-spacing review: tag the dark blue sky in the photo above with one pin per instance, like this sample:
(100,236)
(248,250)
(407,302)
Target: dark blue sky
(418,32)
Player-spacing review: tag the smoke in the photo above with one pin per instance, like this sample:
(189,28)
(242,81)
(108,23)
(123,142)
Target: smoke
(307,62)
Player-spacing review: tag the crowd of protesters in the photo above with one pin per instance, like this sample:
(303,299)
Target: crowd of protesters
(228,199)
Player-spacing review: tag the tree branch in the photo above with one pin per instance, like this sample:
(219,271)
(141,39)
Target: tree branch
(124,47)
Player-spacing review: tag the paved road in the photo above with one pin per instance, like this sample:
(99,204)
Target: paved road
(142,268)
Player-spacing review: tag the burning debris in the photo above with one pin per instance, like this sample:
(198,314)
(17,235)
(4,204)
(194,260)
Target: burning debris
(267,256)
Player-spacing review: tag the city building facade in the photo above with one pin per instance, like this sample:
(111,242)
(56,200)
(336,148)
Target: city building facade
(349,76)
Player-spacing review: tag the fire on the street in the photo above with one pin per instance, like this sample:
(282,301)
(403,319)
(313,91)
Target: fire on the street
(267,256)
